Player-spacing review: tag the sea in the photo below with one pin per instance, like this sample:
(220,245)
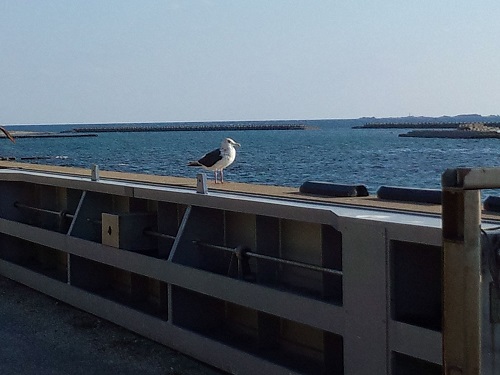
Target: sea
(328,151)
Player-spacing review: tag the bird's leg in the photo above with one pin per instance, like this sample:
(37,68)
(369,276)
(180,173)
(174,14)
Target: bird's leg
(222,176)
(215,176)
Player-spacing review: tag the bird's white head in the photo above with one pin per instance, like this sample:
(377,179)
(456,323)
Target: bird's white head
(228,141)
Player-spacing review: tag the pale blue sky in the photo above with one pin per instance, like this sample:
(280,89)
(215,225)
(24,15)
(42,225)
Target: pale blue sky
(68,61)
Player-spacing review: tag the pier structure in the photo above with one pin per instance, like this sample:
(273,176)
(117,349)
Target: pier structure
(260,279)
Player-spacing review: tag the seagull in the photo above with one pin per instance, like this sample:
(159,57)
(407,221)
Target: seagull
(218,159)
(7,134)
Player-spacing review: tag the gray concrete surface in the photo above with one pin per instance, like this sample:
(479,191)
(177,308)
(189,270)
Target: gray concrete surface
(40,335)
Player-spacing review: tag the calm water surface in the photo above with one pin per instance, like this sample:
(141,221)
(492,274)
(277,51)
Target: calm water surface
(332,152)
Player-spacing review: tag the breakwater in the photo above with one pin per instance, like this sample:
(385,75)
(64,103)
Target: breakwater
(452,130)
(21,134)
(465,131)
(168,128)
(450,134)
(420,125)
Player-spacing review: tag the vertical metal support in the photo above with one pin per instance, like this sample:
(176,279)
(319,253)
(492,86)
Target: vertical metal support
(68,233)
(365,298)
(461,281)
(77,211)
(180,232)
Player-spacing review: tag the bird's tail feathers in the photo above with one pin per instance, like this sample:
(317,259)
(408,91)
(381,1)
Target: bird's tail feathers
(194,164)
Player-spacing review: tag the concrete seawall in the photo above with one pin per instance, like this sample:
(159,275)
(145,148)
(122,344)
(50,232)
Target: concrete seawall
(30,134)
(170,128)
(451,134)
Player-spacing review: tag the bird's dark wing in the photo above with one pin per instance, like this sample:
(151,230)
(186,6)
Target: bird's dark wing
(7,134)
(211,158)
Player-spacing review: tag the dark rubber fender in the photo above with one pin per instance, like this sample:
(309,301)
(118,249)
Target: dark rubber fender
(333,190)
(415,195)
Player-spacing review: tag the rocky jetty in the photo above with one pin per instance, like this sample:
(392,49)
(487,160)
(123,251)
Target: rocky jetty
(463,131)
(32,134)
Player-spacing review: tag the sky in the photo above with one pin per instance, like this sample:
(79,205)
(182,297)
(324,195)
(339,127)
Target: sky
(94,61)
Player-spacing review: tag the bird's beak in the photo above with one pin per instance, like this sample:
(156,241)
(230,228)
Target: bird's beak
(237,144)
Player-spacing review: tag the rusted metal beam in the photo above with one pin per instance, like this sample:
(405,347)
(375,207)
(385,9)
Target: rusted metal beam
(62,213)
(462,305)
(288,262)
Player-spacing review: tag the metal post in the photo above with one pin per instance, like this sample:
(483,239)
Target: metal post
(201,183)
(94,173)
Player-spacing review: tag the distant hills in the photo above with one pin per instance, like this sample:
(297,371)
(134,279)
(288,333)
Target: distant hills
(464,118)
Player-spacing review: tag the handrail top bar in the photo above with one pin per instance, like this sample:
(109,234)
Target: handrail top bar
(471,178)
(227,198)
